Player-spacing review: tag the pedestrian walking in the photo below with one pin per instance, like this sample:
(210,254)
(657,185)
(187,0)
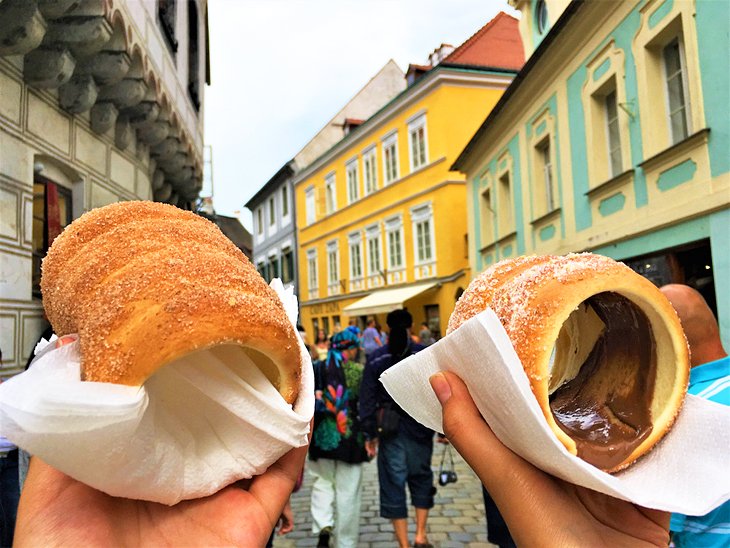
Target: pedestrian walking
(337,449)
(403,446)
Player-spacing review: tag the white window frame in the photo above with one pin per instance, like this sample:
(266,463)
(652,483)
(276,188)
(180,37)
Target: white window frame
(310,205)
(333,262)
(354,242)
(414,126)
(372,234)
(370,167)
(312,274)
(394,229)
(421,214)
(285,199)
(390,141)
(613,139)
(686,105)
(353,180)
(271,214)
(330,191)
(259,222)
(548,180)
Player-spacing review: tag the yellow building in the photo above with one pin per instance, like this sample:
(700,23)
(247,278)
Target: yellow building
(381,221)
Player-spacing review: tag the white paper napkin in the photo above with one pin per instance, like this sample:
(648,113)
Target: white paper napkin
(687,472)
(196,426)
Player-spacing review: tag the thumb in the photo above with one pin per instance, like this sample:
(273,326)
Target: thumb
(499,469)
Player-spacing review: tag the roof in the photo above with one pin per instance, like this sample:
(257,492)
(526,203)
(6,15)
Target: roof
(505,26)
(234,231)
(560,24)
(285,171)
(497,44)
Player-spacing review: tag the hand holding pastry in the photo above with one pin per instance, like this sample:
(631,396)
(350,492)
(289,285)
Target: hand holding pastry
(539,509)
(56,510)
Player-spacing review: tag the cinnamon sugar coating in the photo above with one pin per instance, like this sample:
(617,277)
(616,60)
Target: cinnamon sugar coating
(145,283)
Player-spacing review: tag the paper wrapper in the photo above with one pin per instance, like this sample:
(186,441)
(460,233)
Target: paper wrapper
(196,426)
(687,472)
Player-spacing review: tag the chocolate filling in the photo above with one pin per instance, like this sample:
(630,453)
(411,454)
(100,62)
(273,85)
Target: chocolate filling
(606,408)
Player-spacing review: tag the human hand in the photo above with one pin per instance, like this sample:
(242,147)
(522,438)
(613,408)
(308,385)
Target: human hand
(56,510)
(540,509)
(440,438)
(371,446)
(286,520)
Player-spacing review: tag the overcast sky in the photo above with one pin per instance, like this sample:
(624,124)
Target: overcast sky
(281,69)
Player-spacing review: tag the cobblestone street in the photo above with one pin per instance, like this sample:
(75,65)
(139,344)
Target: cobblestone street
(457,520)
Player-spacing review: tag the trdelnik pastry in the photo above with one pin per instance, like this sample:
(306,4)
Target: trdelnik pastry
(145,283)
(187,373)
(603,349)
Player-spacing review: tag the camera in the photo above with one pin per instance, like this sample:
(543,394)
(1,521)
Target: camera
(447,477)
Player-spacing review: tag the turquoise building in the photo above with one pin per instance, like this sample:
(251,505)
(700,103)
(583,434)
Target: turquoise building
(614,138)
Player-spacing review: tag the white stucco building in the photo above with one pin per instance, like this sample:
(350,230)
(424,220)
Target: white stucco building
(100,101)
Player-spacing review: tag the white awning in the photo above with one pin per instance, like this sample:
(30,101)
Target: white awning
(385,300)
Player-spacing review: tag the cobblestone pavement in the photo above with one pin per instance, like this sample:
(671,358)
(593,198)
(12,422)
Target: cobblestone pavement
(457,520)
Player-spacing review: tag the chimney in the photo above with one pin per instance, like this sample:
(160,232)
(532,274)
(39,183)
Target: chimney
(440,53)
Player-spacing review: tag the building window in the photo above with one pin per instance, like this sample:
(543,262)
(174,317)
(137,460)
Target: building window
(310,204)
(394,236)
(423,234)
(167,14)
(417,142)
(259,221)
(273,268)
(371,170)
(284,201)
(390,158)
(52,211)
(272,212)
(330,193)
(486,218)
(287,265)
(312,278)
(353,185)
(261,267)
(423,241)
(333,263)
(504,204)
(541,16)
(374,251)
(613,134)
(355,243)
(676,80)
(544,195)
(193,55)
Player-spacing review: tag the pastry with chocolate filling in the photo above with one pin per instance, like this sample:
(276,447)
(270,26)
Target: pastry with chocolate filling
(145,284)
(603,349)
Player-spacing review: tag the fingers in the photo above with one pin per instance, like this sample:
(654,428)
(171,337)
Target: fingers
(469,433)
(273,488)
(518,487)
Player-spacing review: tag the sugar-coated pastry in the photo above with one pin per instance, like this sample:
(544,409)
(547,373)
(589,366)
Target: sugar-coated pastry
(602,347)
(145,283)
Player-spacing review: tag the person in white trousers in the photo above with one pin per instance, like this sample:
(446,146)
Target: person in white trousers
(337,450)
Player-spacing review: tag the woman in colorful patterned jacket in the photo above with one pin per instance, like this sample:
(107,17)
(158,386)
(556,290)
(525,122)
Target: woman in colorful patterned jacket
(337,449)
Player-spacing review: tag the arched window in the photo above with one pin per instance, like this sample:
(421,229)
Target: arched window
(193,54)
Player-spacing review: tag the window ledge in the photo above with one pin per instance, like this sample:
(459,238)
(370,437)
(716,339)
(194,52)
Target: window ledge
(697,138)
(496,241)
(613,182)
(547,216)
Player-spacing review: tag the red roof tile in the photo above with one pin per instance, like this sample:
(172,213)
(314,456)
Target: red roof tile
(497,44)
